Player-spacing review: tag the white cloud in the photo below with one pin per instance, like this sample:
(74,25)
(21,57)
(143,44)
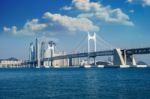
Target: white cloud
(142,2)
(98,11)
(13,29)
(67,8)
(89,12)
(30,28)
(85,5)
(34,25)
(146,2)
(129,1)
(53,24)
(72,24)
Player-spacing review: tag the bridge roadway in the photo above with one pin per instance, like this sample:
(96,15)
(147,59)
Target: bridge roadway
(137,51)
(101,53)
(77,55)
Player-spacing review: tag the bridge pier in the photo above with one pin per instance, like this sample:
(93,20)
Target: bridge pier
(118,58)
(51,62)
(131,60)
(94,60)
(122,59)
(42,63)
(70,61)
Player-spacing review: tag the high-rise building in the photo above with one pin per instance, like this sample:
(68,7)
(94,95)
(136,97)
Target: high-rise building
(31,52)
(36,49)
(42,50)
(49,52)
(37,54)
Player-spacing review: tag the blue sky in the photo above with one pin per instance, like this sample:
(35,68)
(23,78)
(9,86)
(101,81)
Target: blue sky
(122,23)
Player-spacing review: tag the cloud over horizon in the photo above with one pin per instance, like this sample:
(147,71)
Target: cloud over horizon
(98,11)
(30,28)
(54,23)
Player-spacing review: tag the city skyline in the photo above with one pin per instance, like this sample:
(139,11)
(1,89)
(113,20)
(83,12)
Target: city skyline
(123,24)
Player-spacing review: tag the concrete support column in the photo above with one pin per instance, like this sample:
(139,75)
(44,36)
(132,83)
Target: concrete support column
(88,60)
(94,58)
(42,63)
(118,58)
(125,56)
(131,60)
(51,62)
(70,61)
(79,61)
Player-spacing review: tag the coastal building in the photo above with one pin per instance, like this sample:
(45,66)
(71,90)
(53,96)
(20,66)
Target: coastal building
(43,46)
(11,63)
(56,63)
(40,51)
(47,54)
(32,52)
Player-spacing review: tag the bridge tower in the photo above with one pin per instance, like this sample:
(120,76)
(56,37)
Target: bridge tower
(91,37)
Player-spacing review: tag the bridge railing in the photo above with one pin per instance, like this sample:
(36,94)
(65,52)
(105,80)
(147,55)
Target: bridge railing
(77,55)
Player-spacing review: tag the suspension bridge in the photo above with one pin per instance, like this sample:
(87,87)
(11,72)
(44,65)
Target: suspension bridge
(96,46)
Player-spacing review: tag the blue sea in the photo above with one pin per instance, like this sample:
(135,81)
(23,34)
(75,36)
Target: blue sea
(75,83)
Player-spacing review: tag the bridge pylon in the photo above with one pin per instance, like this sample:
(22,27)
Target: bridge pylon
(93,38)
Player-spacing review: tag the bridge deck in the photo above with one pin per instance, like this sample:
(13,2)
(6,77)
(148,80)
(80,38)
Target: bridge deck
(137,51)
(91,54)
(99,53)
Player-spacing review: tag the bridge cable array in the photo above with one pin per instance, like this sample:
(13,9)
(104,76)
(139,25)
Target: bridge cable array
(80,47)
(101,44)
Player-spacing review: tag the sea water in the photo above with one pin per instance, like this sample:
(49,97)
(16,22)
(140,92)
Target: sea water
(75,83)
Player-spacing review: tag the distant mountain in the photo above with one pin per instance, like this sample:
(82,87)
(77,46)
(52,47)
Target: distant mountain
(141,63)
(10,59)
